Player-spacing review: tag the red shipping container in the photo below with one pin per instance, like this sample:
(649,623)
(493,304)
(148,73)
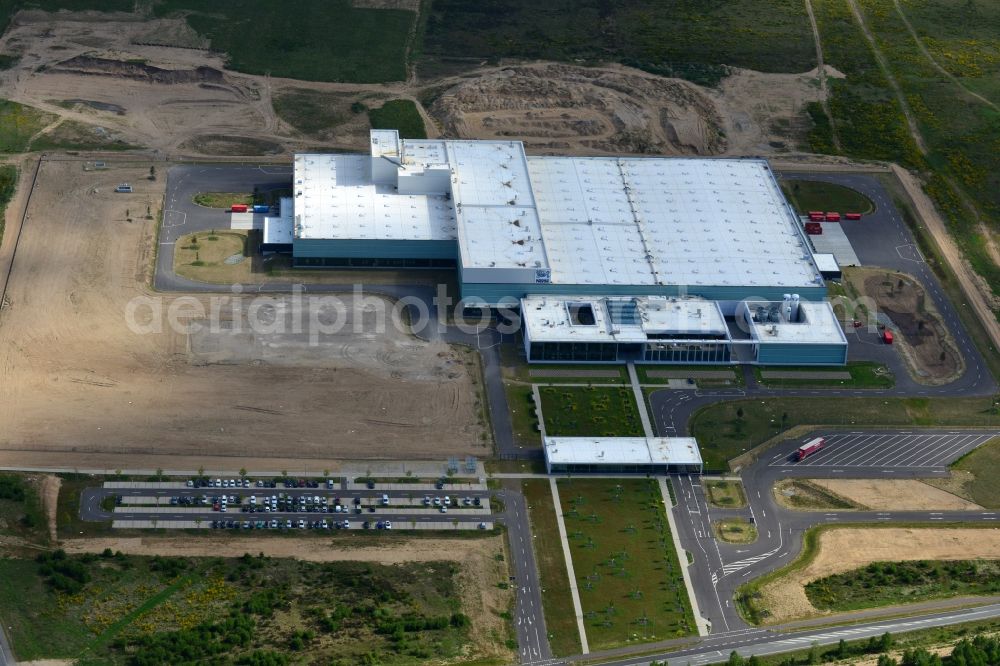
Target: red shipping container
(852,216)
(816,217)
(814,228)
(239,208)
(814,213)
(833,217)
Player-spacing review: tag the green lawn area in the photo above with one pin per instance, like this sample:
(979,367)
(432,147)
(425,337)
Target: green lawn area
(129,609)
(723,433)
(222,199)
(560,618)
(864,374)
(571,411)
(889,583)
(627,570)
(399,114)
(725,494)
(808,195)
(734,375)
(523,418)
(321,40)
(669,37)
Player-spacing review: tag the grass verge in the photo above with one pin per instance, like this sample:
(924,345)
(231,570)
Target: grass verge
(864,374)
(726,494)
(223,199)
(803,495)
(810,195)
(734,530)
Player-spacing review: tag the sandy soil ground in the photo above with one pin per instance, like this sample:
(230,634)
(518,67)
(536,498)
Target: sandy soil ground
(556,108)
(49,491)
(980,294)
(895,494)
(923,334)
(480,572)
(78,379)
(83,67)
(845,549)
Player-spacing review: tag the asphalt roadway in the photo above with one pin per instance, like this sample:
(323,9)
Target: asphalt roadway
(719,569)
(6,654)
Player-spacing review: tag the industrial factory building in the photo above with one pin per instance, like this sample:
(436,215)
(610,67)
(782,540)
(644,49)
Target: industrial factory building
(669,260)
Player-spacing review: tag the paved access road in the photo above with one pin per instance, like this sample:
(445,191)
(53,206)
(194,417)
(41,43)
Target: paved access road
(767,642)
(6,655)
(719,569)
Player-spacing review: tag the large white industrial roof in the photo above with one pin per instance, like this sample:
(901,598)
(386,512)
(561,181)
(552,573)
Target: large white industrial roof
(622,450)
(590,221)
(667,221)
(280,229)
(551,318)
(336,198)
(817,323)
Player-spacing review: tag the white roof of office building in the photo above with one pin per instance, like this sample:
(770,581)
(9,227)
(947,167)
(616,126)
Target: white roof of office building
(622,450)
(336,198)
(817,323)
(548,318)
(667,221)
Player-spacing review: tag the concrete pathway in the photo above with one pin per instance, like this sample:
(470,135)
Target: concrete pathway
(640,401)
(577,606)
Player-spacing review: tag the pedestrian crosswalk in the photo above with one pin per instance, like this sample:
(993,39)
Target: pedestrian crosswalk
(740,565)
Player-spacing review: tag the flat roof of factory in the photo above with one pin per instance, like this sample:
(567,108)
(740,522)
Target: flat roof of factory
(589,220)
(664,221)
(817,323)
(619,319)
(622,451)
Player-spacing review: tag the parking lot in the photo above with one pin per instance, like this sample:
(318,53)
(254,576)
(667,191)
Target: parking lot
(289,504)
(889,449)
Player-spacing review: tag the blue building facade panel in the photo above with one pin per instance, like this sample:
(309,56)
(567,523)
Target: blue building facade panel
(492,294)
(375,249)
(802,354)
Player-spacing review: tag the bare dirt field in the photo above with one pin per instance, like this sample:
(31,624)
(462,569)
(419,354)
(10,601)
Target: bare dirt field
(844,549)
(895,494)
(928,347)
(563,109)
(78,379)
(479,574)
(151,83)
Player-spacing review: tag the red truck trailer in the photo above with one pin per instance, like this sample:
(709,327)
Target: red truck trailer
(887,336)
(814,228)
(816,216)
(809,448)
(852,216)
(833,217)
(238,208)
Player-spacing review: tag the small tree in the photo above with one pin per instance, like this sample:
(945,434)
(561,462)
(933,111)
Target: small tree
(243,472)
(152,173)
(739,413)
